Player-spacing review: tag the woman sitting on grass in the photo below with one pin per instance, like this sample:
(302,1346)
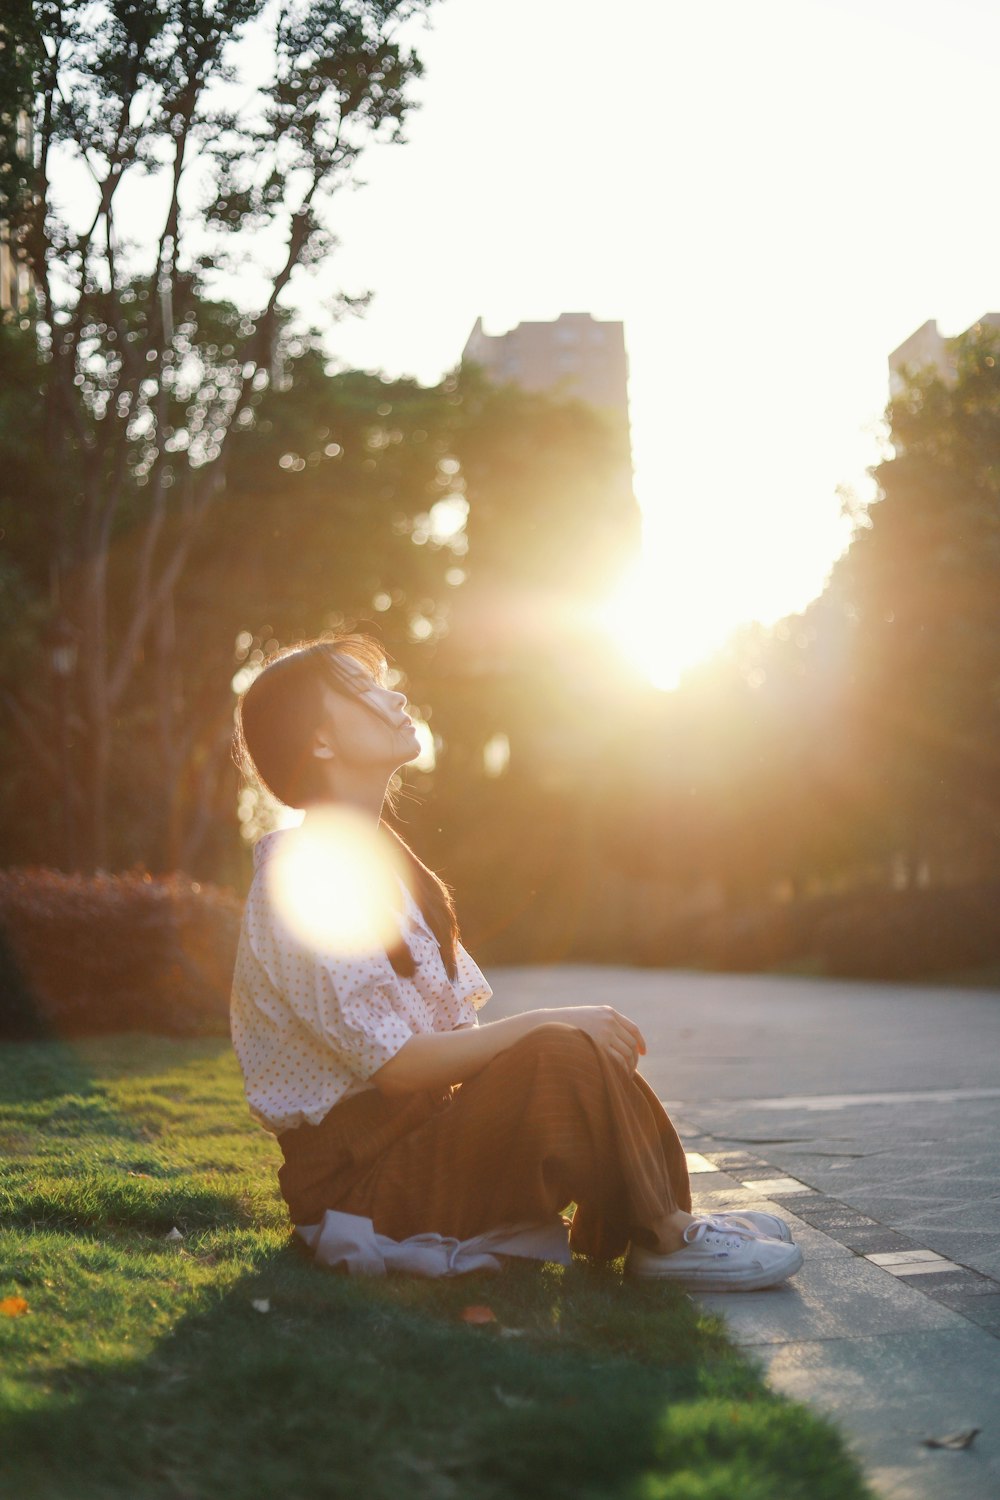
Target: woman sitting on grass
(390,1102)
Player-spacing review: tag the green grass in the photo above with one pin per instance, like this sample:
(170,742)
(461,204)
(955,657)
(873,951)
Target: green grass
(143,1371)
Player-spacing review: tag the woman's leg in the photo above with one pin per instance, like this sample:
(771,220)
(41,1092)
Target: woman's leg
(549,1121)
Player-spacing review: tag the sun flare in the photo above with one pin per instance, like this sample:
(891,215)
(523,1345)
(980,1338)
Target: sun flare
(335,884)
(663,624)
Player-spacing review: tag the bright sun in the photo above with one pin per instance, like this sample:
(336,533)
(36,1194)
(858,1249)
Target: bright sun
(662,622)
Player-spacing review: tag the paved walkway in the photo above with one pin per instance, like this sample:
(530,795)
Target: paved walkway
(869,1116)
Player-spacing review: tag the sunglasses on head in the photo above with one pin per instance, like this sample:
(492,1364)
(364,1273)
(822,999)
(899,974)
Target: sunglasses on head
(349,676)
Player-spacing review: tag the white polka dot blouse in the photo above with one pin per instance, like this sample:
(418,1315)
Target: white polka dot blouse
(310,1027)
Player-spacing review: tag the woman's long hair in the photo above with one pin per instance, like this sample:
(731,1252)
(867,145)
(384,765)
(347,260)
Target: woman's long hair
(276,719)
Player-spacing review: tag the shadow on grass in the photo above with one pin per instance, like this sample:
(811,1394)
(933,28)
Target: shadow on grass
(45,1069)
(347,1388)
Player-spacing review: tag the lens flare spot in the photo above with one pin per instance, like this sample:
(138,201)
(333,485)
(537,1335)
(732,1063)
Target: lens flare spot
(335,883)
(496,755)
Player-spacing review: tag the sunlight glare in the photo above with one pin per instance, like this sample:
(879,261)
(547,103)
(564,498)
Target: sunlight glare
(427,759)
(662,625)
(335,884)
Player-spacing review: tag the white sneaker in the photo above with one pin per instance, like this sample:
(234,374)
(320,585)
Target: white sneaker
(763,1226)
(713,1259)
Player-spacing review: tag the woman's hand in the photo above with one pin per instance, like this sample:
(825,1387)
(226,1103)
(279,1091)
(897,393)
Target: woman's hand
(614,1033)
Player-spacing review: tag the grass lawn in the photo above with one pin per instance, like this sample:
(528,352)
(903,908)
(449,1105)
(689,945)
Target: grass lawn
(142,1369)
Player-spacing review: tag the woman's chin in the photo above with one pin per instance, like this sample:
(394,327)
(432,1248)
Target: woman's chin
(412,753)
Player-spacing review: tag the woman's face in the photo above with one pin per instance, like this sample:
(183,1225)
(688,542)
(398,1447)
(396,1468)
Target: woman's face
(366,722)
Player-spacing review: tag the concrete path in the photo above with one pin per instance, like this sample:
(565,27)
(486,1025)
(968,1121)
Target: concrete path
(869,1116)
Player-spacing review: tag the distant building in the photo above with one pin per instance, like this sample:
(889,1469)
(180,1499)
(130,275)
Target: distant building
(15,279)
(928,348)
(16,285)
(577,355)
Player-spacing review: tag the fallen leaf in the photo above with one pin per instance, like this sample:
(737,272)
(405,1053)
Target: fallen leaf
(13,1307)
(261,1304)
(963,1439)
(513,1403)
(478,1314)
(174,1234)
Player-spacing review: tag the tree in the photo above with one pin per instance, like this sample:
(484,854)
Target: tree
(921,584)
(150,369)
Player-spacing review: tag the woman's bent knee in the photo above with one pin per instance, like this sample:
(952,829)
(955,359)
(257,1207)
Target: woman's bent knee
(556,1039)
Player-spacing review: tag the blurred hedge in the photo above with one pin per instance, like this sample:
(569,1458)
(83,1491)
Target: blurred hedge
(86,954)
(912,934)
(865,934)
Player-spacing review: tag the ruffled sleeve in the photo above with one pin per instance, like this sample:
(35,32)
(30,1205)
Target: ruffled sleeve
(470,987)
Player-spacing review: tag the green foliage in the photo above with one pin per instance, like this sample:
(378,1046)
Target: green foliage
(143,1366)
(28,496)
(326,493)
(22,59)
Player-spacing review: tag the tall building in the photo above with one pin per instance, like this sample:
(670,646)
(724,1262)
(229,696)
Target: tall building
(928,348)
(577,355)
(16,283)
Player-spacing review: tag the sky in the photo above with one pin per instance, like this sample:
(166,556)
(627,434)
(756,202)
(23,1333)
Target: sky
(770,196)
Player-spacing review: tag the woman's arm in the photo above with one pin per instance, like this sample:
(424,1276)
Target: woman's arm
(439,1058)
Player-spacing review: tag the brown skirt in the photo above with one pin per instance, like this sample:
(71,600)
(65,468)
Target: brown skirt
(549,1121)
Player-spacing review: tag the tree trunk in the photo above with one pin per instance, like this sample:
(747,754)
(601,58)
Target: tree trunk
(96,710)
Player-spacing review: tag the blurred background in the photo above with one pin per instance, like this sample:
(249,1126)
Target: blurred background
(632,376)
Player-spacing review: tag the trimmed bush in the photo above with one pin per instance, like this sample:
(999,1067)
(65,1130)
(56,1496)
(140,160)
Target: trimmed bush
(85,954)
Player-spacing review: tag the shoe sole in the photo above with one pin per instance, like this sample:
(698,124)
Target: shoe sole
(717,1283)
